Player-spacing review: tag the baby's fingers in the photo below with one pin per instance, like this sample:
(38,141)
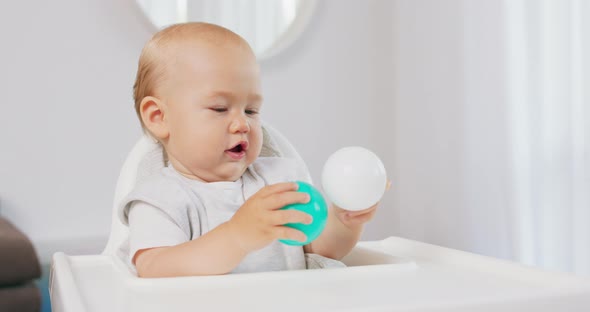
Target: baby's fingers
(285,232)
(356,219)
(281,217)
(280,200)
(354,214)
(278,188)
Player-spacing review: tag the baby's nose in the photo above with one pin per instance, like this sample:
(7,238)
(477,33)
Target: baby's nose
(240,124)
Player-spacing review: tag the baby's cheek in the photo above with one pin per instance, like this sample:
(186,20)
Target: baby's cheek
(254,152)
(256,141)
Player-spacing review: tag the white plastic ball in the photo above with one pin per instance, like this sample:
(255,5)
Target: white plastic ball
(354,178)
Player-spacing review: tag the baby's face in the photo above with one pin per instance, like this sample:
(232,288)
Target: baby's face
(212,103)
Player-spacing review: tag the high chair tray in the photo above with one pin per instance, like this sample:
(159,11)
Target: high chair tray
(393,274)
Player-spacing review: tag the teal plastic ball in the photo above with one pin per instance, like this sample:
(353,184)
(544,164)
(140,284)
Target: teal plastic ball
(316,207)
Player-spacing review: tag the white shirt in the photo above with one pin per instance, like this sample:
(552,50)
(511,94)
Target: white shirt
(170,209)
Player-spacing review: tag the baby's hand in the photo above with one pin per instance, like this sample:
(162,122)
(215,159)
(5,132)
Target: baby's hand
(259,221)
(354,219)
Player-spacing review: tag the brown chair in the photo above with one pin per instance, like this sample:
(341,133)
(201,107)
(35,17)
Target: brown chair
(19,267)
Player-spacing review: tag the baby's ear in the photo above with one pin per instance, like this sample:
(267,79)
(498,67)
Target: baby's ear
(152,115)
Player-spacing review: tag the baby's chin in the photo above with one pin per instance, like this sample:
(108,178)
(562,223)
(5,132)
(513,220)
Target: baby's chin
(229,175)
(226,172)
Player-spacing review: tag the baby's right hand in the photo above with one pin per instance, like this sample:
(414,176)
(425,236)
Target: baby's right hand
(260,221)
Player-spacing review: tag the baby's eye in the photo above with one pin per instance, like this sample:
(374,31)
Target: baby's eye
(251,112)
(219,109)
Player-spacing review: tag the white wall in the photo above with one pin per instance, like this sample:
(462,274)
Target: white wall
(449,141)
(67,69)
(67,119)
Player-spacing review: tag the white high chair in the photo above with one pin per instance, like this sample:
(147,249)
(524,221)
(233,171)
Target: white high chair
(393,274)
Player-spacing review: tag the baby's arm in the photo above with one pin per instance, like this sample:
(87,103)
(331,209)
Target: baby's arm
(342,232)
(216,252)
(256,224)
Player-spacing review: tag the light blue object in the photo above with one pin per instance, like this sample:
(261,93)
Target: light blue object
(318,210)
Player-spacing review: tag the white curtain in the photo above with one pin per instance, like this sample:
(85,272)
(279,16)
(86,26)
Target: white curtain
(548,83)
(490,134)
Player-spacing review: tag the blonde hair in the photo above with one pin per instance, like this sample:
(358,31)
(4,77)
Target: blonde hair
(152,65)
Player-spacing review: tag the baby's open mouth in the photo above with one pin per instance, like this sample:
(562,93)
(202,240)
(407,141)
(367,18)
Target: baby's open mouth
(238,151)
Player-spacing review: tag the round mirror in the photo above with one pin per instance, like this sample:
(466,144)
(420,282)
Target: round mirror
(269,26)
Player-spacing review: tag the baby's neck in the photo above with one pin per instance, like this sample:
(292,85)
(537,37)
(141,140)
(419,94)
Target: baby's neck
(182,170)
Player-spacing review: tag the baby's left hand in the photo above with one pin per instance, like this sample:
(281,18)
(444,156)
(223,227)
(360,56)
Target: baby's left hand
(354,219)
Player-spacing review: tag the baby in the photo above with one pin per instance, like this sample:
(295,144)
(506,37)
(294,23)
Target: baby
(215,207)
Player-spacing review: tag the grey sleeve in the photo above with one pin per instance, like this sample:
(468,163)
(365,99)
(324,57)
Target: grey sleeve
(150,227)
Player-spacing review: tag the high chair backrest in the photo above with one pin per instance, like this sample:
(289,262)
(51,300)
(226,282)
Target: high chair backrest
(146,157)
